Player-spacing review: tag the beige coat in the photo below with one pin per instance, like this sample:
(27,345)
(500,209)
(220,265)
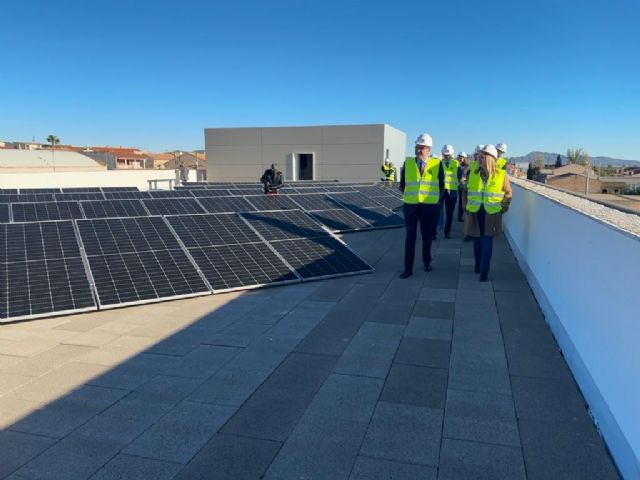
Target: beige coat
(493,221)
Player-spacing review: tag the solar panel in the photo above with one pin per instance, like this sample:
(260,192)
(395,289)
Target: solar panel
(119,189)
(210,192)
(310,190)
(338,189)
(315,201)
(373,190)
(229,267)
(340,220)
(225,204)
(354,200)
(123,235)
(320,257)
(4,213)
(41,271)
(113,208)
(61,197)
(246,191)
(126,194)
(30,198)
(284,224)
(137,260)
(380,217)
(170,194)
(38,212)
(27,191)
(389,201)
(9,190)
(212,230)
(81,190)
(172,206)
(272,202)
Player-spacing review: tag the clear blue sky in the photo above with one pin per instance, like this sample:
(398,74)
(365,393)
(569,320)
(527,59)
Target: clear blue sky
(541,75)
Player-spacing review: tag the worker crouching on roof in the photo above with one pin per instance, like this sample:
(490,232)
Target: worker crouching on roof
(388,173)
(272,179)
(488,198)
(422,182)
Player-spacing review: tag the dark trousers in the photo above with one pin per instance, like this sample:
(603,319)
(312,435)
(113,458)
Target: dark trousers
(460,206)
(427,216)
(449,199)
(482,251)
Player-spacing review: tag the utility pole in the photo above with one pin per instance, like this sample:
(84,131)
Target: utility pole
(586,183)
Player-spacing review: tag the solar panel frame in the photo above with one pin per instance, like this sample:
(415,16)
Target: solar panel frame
(13,191)
(126,195)
(246,191)
(169,194)
(120,189)
(211,192)
(26,198)
(389,201)
(354,200)
(45,211)
(173,206)
(81,190)
(315,201)
(30,191)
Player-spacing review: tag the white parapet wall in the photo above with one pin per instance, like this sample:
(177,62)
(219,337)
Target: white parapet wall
(108,178)
(582,261)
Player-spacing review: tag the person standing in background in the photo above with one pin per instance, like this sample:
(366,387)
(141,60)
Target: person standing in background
(389,173)
(452,177)
(501,163)
(462,188)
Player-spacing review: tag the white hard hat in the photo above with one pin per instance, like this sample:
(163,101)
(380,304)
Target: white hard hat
(502,147)
(387,161)
(479,148)
(424,140)
(447,150)
(462,154)
(491,150)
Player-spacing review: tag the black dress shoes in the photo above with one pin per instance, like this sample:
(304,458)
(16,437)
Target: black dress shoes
(427,268)
(406,274)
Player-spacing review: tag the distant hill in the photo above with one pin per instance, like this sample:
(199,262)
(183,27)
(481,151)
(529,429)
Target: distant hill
(550,159)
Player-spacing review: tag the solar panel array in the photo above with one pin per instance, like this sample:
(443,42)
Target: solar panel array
(83,248)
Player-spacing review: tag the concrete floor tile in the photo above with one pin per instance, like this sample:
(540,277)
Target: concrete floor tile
(481,461)
(404,433)
(433,309)
(424,352)
(432,328)
(129,467)
(229,457)
(19,448)
(378,469)
(438,294)
(413,385)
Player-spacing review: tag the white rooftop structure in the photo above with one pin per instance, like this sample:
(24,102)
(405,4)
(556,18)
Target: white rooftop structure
(22,161)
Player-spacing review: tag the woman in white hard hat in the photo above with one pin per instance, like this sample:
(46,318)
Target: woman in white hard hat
(488,198)
(421,181)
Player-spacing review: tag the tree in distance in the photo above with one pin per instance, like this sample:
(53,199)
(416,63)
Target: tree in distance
(53,140)
(577,155)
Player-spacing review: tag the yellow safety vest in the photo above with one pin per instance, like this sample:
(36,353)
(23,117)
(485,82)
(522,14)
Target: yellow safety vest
(450,174)
(389,172)
(501,162)
(489,195)
(421,189)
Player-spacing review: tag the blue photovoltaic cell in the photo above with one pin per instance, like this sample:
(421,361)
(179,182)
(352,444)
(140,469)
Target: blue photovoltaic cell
(30,198)
(340,220)
(272,202)
(225,204)
(4,212)
(380,217)
(61,197)
(284,224)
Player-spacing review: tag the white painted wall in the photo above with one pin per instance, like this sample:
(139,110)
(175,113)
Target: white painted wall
(584,274)
(109,178)
(344,152)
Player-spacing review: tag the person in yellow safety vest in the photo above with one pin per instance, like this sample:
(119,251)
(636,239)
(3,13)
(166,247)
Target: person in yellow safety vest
(462,188)
(488,198)
(452,177)
(422,182)
(501,163)
(389,171)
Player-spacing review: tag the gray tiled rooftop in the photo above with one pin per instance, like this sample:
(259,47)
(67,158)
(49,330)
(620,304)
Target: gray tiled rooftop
(364,377)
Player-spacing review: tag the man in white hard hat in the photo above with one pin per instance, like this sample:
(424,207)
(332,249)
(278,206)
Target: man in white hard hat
(462,188)
(389,172)
(501,148)
(452,177)
(421,181)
